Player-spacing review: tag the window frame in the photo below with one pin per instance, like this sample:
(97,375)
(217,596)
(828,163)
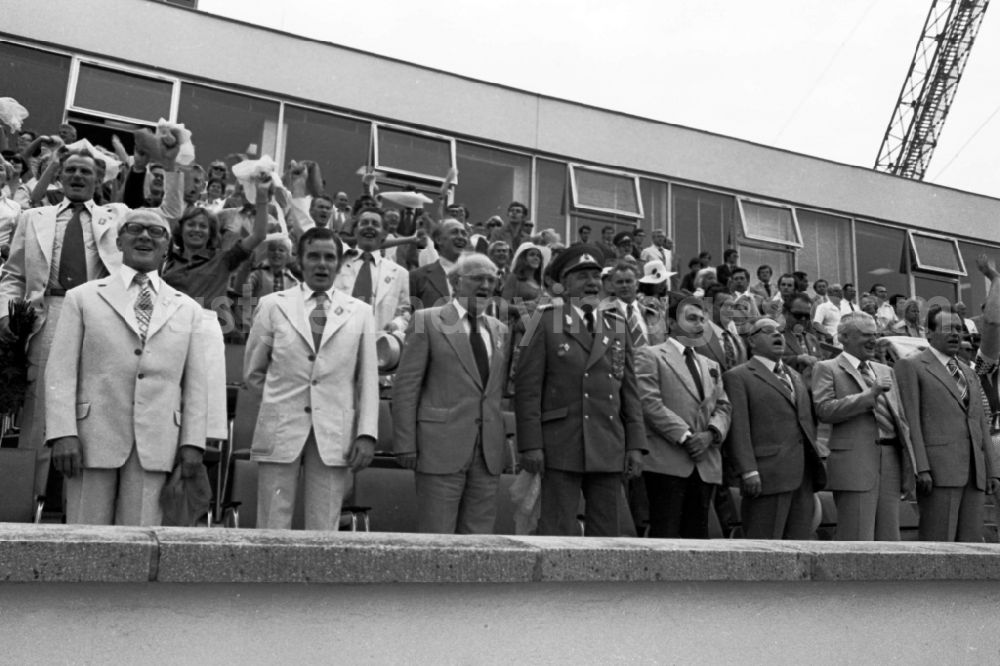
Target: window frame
(918,265)
(433,178)
(74,80)
(585,209)
(796,244)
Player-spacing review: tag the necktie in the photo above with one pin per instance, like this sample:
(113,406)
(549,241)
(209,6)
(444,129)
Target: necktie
(363,283)
(635,326)
(478,348)
(73,259)
(782,374)
(279,280)
(963,386)
(317,318)
(767,288)
(882,414)
(588,317)
(730,349)
(692,365)
(143,304)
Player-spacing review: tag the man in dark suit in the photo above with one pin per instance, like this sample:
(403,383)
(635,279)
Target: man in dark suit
(871,463)
(446,405)
(579,420)
(802,349)
(429,285)
(723,345)
(687,417)
(772,440)
(955,459)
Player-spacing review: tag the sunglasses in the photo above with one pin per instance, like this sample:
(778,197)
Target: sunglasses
(136,229)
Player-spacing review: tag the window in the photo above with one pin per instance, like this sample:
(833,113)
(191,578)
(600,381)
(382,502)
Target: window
(936,288)
(550,194)
(703,222)
(752,258)
(654,207)
(406,152)
(826,247)
(602,191)
(224,122)
(123,94)
(938,254)
(338,145)
(489,179)
(38,81)
(880,257)
(972,288)
(770,222)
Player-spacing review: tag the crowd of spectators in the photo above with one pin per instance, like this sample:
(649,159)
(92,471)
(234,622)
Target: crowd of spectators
(642,390)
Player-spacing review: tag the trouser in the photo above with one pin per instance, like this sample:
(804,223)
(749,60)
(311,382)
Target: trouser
(873,515)
(128,495)
(952,514)
(561,498)
(786,515)
(464,502)
(32,434)
(678,506)
(277,484)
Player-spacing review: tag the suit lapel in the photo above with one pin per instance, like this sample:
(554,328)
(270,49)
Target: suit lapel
(382,275)
(167,302)
(291,302)
(849,368)
(439,280)
(573,325)
(601,339)
(45,232)
(772,380)
(939,371)
(113,292)
(454,333)
(675,361)
(341,308)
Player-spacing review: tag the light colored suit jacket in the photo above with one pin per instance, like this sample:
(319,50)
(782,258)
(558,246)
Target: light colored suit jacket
(332,391)
(945,433)
(770,432)
(839,393)
(439,404)
(671,407)
(104,386)
(391,286)
(26,273)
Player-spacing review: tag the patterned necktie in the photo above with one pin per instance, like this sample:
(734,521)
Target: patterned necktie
(73,258)
(692,365)
(882,414)
(478,348)
(635,326)
(730,348)
(317,318)
(279,280)
(963,386)
(363,283)
(143,304)
(588,317)
(782,374)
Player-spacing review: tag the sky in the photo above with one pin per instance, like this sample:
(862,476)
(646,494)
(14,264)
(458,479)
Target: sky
(811,76)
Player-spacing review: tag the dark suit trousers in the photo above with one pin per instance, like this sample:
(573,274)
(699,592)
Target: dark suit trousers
(678,507)
(461,503)
(953,514)
(781,515)
(561,499)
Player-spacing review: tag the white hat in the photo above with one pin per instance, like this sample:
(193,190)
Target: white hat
(654,272)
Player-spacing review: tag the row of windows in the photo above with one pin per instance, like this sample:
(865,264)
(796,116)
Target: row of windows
(102,99)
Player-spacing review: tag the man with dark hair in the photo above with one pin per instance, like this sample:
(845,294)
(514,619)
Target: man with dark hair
(517,228)
(820,288)
(624,290)
(722,343)
(763,287)
(801,281)
(725,270)
(885,313)
(579,419)
(687,417)
(847,303)
(583,233)
(740,288)
(321,209)
(802,349)
(607,245)
(956,461)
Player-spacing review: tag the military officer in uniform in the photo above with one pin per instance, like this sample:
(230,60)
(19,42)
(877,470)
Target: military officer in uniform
(579,418)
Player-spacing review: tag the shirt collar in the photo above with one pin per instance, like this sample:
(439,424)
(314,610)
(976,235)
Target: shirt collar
(128,274)
(307,292)
(446,264)
(678,346)
(66,203)
(766,362)
(852,359)
(941,357)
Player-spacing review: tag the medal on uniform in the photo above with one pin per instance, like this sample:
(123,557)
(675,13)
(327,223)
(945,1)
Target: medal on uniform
(338,311)
(617,359)
(563,348)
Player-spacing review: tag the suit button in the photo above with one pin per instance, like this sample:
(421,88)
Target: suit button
(586,416)
(311,357)
(586,374)
(315,382)
(308,410)
(138,352)
(141,375)
(586,395)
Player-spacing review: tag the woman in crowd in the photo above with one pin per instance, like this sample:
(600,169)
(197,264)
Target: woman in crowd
(199,268)
(910,324)
(524,282)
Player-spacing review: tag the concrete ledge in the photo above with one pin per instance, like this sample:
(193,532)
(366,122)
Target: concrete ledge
(52,553)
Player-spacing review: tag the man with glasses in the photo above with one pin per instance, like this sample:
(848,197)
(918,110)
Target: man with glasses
(126,384)
(802,349)
(59,247)
(885,314)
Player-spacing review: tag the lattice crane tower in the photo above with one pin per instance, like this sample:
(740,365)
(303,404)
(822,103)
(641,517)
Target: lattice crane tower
(930,85)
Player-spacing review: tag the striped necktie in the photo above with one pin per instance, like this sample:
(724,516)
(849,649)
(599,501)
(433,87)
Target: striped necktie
(143,304)
(635,326)
(782,374)
(883,417)
(963,385)
(317,318)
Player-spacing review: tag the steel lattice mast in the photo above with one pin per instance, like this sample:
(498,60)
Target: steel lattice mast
(930,85)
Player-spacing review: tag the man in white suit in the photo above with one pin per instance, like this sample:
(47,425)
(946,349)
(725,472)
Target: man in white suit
(54,249)
(446,405)
(379,282)
(687,418)
(311,355)
(126,384)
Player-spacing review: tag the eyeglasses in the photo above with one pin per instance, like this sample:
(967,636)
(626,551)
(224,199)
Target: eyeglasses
(136,229)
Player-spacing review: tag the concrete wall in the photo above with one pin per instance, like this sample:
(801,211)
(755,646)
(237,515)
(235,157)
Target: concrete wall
(167,595)
(216,49)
